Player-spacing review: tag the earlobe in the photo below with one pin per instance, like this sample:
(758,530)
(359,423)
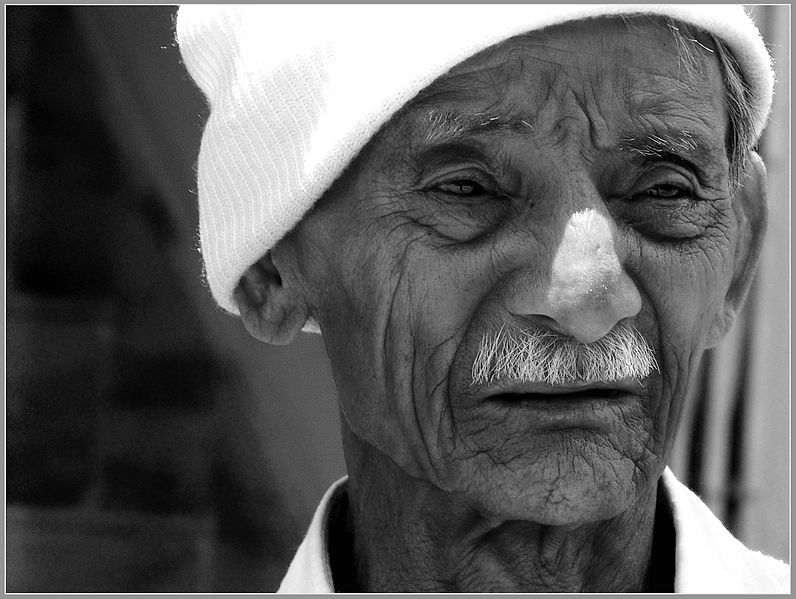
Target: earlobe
(751,212)
(271,310)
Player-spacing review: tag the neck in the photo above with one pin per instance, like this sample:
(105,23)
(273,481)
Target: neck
(406,535)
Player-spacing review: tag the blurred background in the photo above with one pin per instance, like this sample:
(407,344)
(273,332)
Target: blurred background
(151,444)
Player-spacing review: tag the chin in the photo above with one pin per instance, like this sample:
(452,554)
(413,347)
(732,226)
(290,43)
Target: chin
(558,493)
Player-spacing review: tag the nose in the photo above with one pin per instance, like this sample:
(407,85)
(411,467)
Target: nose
(588,292)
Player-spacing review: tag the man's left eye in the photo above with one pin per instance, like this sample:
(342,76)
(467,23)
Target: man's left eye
(665,191)
(462,187)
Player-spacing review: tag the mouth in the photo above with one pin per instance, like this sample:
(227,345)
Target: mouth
(562,397)
(513,391)
(594,406)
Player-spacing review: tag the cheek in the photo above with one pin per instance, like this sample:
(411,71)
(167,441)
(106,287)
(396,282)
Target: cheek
(685,286)
(392,319)
(361,294)
(688,290)
(687,281)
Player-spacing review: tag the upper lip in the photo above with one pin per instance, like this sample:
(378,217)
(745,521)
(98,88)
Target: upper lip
(516,387)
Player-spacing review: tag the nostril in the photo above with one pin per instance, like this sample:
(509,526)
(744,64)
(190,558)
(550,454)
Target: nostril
(549,322)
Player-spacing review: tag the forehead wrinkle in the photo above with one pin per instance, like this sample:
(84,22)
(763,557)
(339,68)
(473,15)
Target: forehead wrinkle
(681,122)
(650,91)
(686,86)
(677,126)
(658,102)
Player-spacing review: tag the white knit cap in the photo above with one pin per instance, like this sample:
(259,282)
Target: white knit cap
(296,91)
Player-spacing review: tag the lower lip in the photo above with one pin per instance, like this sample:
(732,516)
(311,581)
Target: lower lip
(567,410)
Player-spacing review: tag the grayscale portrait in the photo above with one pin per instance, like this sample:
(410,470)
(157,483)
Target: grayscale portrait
(484,295)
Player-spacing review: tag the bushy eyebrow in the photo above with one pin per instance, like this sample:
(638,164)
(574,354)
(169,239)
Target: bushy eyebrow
(680,145)
(445,127)
(653,144)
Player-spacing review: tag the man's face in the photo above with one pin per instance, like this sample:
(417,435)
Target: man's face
(570,181)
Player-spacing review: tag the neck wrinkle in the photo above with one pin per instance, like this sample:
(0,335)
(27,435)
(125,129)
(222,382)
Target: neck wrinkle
(406,535)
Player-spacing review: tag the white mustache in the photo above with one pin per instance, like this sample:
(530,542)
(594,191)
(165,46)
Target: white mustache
(542,356)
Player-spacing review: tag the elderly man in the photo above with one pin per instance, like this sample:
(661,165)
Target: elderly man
(517,228)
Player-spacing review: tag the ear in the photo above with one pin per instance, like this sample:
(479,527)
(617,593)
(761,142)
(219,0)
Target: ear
(271,308)
(751,213)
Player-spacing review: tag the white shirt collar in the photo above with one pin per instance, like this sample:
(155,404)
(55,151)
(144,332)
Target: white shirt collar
(708,558)
(310,571)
